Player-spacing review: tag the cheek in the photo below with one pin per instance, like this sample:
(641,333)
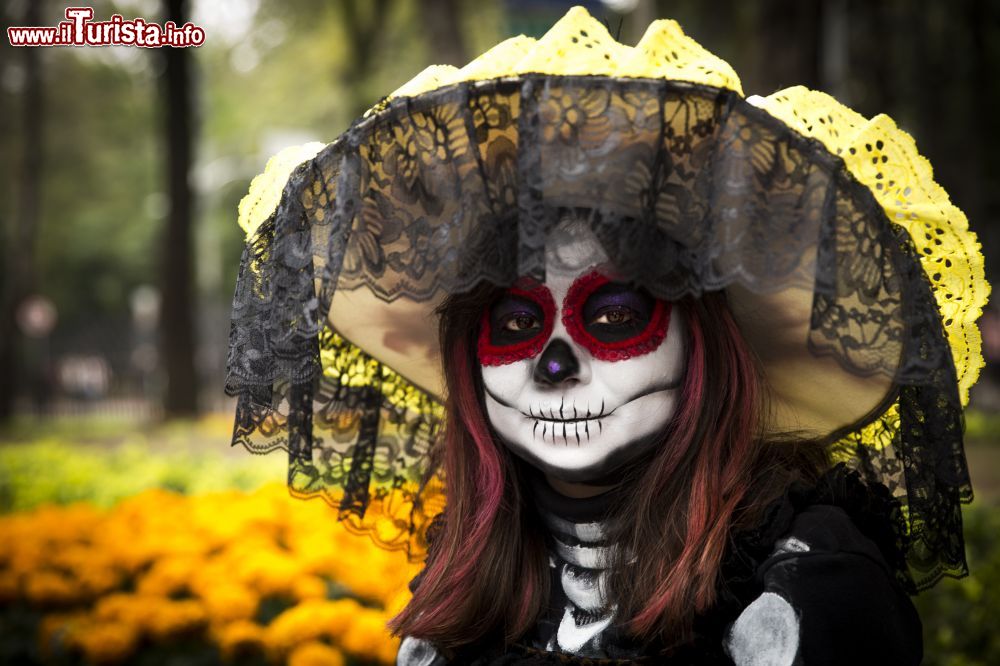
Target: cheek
(508,380)
(663,366)
(647,415)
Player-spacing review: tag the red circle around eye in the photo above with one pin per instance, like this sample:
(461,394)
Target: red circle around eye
(491,354)
(644,342)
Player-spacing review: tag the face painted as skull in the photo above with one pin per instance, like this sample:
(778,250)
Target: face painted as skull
(580,372)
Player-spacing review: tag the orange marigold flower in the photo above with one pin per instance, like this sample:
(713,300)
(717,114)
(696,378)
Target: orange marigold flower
(105,643)
(173,618)
(169,575)
(51,588)
(55,630)
(136,609)
(98,580)
(10,586)
(241,639)
(315,653)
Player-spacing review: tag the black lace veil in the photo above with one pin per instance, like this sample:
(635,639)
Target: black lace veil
(689,188)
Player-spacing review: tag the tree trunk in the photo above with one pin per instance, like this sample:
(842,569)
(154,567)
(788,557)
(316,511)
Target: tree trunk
(177,316)
(443,28)
(361,28)
(790,39)
(19,247)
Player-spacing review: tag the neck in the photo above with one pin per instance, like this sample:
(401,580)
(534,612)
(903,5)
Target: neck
(575,504)
(576,490)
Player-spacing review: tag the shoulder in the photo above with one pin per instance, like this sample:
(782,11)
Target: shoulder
(829,597)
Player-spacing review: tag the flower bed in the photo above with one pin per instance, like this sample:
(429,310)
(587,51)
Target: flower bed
(225,577)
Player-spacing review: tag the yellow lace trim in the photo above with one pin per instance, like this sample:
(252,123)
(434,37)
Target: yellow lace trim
(885,159)
(579,44)
(265,190)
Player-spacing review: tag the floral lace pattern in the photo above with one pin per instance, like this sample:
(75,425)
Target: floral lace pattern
(688,187)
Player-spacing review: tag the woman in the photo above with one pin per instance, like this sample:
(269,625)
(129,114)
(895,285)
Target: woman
(702,358)
(639,416)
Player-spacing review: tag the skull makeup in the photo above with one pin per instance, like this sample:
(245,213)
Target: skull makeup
(580,373)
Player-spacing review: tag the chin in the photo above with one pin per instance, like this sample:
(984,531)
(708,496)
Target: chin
(555,463)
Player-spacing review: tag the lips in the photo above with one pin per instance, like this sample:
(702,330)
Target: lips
(562,414)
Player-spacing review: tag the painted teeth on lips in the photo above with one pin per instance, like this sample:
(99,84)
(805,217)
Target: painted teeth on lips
(564,414)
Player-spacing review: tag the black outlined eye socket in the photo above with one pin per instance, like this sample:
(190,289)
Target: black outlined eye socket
(615,312)
(514,318)
(516,326)
(614,321)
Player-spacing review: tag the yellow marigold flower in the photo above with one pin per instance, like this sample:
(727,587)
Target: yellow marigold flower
(219,570)
(368,634)
(339,616)
(229,601)
(51,588)
(317,553)
(311,620)
(241,639)
(271,572)
(397,602)
(315,653)
(105,643)
(309,587)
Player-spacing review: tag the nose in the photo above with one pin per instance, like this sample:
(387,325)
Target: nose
(556,364)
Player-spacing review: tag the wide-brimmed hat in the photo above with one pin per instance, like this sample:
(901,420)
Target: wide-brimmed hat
(855,280)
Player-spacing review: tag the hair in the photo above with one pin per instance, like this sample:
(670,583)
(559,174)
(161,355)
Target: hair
(487,568)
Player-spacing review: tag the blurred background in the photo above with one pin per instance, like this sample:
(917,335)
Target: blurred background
(121,173)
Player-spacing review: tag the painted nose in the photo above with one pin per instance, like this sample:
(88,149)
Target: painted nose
(556,364)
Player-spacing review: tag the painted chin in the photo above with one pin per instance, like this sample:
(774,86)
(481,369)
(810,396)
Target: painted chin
(584,447)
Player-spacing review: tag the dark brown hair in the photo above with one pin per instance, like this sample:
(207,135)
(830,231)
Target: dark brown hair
(487,570)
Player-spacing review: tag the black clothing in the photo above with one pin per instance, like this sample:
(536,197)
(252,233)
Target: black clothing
(578,619)
(812,585)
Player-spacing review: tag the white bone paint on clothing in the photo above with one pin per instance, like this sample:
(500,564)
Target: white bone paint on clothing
(765,634)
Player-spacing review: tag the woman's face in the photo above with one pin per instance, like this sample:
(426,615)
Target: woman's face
(581,373)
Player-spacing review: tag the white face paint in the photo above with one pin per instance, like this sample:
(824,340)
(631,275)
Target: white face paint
(590,397)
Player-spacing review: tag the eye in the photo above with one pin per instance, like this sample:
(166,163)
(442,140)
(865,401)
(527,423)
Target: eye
(614,320)
(516,325)
(615,315)
(521,321)
(514,318)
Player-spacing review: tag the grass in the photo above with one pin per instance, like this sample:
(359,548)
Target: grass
(104,460)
